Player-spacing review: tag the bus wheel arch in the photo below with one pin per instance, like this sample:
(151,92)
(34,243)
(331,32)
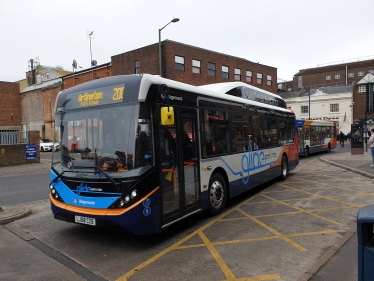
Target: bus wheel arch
(284,167)
(218,192)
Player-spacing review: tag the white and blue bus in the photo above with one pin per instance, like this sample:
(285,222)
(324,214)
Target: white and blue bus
(143,152)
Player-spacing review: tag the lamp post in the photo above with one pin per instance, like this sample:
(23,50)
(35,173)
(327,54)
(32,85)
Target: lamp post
(159,45)
(91,35)
(308,89)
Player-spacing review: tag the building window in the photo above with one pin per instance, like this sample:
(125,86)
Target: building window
(179,63)
(225,72)
(249,76)
(351,74)
(196,66)
(238,75)
(268,80)
(211,69)
(259,78)
(360,73)
(362,88)
(334,107)
(337,76)
(137,67)
(85,77)
(304,109)
(328,77)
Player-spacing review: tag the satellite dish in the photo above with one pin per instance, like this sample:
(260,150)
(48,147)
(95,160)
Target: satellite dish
(93,63)
(75,64)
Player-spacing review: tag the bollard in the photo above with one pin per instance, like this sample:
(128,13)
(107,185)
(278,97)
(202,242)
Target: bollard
(365,239)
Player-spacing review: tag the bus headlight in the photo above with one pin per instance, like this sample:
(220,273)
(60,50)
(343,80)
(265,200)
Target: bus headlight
(133,193)
(127,199)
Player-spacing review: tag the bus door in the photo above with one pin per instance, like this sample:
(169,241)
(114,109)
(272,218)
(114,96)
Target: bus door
(180,174)
(301,140)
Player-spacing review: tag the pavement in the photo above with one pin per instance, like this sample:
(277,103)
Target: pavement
(338,263)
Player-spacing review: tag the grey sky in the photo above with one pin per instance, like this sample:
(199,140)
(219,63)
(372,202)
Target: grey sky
(289,34)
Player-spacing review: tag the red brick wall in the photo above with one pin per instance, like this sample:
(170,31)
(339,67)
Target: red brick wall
(10,104)
(147,56)
(85,76)
(149,63)
(316,77)
(172,49)
(16,154)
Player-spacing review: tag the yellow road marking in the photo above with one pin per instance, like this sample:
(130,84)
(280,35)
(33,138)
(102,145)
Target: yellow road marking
(221,263)
(272,230)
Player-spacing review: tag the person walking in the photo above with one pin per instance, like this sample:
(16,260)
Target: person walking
(341,138)
(371,142)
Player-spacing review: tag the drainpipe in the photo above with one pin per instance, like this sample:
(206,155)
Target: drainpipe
(346,74)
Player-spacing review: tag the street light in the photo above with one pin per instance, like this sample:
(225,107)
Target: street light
(159,44)
(308,89)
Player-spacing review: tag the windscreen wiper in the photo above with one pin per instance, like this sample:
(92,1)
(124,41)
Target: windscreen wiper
(116,184)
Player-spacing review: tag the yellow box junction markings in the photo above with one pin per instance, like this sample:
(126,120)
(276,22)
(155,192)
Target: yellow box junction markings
(277,235)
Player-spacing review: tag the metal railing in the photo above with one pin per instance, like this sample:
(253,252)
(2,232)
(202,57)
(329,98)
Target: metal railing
(14,137)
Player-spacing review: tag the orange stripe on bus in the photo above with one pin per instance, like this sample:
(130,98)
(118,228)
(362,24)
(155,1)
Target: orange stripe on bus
(95,211)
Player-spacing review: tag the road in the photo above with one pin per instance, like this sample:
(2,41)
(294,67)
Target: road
(273,233)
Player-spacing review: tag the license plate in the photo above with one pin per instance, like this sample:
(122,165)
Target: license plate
(85,220)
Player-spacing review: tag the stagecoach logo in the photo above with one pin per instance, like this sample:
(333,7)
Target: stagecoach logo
(85,188)
(164,96)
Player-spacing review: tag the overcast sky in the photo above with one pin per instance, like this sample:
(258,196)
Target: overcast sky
(289,35)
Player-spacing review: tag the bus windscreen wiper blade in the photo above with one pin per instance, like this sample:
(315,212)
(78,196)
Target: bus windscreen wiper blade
(116,184)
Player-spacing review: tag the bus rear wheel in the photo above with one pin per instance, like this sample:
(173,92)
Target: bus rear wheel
(217,194)
(284,168)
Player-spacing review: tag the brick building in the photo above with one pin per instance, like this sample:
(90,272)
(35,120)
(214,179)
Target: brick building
(332,75)
(37,103)
(363,100)
(10,107)
(358,107)
(86,75)
(195,66)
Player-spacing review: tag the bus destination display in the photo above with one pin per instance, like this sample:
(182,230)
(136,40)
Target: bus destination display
(100,96)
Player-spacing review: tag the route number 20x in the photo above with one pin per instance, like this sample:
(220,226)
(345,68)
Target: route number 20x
(118,93)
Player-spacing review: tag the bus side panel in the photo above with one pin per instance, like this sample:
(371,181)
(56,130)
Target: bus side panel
(250,169)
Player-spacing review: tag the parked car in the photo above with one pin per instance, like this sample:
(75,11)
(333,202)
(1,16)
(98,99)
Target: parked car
(47,145)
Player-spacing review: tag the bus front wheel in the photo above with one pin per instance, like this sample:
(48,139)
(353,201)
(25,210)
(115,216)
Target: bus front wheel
(217,194)
(284,168)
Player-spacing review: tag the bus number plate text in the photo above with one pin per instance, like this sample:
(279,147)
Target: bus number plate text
(85,220)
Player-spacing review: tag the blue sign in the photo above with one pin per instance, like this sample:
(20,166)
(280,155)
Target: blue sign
(30,151)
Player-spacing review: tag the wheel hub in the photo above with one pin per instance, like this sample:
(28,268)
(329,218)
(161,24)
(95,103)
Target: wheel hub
(216,194)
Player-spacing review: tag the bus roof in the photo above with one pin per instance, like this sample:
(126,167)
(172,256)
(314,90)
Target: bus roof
(220,90)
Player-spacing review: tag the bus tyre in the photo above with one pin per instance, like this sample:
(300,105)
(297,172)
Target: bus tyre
(217,194)
(306,152)
(284,168)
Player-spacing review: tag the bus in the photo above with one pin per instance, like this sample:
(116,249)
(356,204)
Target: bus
(316,136)
(174,149)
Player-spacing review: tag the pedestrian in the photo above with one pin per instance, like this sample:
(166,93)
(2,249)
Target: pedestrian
(341,138)
(349,135)
(371,142)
